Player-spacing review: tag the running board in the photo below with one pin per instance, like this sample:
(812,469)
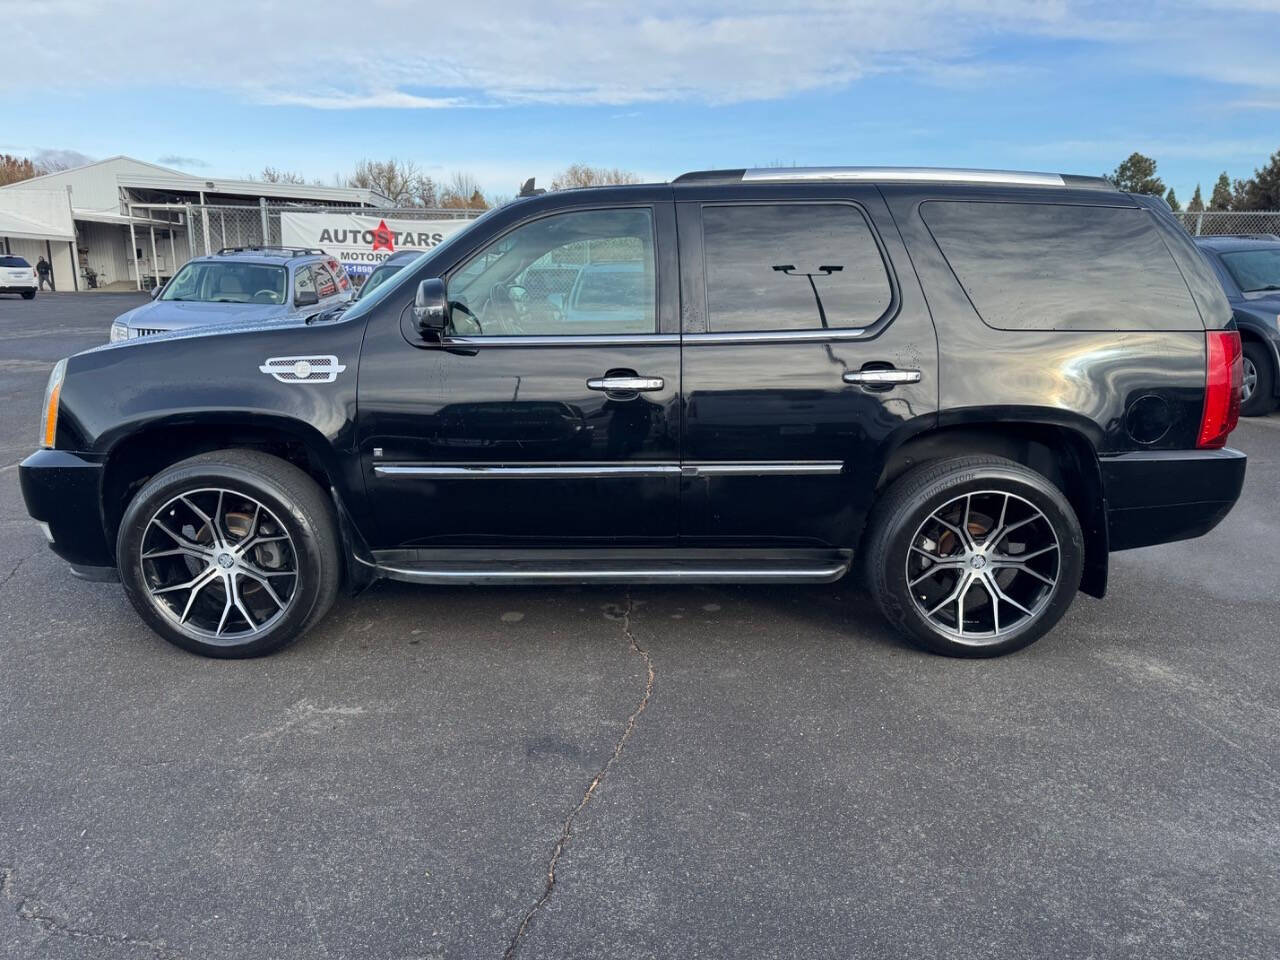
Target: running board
(654,565)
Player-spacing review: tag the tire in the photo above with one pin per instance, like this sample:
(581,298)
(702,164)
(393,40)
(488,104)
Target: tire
(1262,399)
(29,296)
(1029,595)
(236,605)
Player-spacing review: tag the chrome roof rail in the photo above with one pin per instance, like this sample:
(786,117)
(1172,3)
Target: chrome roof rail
(893,175)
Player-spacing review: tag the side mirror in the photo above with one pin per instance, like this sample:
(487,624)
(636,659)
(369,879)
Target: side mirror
(157,290)
(306,298)
(431,308)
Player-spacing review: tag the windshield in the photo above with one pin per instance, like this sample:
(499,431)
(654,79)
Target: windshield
(1255,270)
(13,262)
(211,281)
(381,276)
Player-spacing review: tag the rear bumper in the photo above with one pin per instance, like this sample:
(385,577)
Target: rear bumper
(1159,496)
(18,288)
(64,492)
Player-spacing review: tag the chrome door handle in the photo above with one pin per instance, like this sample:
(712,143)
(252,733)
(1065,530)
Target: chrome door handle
(881,377)
(626,384)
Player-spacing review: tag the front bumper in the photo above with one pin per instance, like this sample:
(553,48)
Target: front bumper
(1159,496)
(64,492)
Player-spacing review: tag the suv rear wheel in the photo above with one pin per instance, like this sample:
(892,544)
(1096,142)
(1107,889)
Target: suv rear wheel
(229,554)
(973,556)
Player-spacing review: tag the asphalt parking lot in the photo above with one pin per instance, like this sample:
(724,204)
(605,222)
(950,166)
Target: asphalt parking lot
(781,775)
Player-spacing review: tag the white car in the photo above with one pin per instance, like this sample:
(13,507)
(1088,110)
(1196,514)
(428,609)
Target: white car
(17,276)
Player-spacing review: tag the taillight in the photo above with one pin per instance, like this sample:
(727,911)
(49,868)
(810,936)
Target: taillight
(1224,377)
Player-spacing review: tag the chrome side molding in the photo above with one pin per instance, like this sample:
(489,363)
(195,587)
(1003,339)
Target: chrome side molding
(591,471)
(795,469)
(532,471)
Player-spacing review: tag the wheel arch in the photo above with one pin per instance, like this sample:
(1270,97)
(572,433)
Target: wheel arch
(140,453)
(1064,452)
(1249,333)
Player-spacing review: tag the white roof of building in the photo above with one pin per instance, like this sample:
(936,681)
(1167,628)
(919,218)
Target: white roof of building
(36,215)
(96,186)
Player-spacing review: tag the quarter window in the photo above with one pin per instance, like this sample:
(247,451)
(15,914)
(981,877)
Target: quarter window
(1044,266)
(791,266)
(304,281)
(572,274)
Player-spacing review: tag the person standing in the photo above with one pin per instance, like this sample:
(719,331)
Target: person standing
(45,271)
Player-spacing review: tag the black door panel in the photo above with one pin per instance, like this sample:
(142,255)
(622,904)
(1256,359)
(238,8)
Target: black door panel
(774,398)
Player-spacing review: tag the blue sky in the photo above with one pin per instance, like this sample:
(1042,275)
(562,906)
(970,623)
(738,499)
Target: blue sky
(505,90)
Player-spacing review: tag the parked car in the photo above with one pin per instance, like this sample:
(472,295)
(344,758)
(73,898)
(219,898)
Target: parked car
(17,276)
(1249,270)
(384,271)
(970,386)
(239,285)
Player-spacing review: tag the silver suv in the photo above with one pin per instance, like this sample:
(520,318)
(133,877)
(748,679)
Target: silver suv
(240,284)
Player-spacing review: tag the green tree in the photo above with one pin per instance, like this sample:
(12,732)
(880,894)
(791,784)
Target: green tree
(1137,174)
(1171,199)
(1262,190)
(1197,202)
(1221,196)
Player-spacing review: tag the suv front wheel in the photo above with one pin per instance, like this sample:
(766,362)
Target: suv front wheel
(229,554)
(973,556)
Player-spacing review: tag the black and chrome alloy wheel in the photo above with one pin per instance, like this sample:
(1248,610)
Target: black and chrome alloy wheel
(230,554)
(219,563)
(973,556)
(982,565)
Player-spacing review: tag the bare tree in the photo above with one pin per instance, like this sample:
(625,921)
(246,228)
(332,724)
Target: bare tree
(272,175)
(582,175)
(399,180)
(462,192)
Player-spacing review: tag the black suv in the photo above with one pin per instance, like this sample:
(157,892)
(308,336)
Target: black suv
(972,384)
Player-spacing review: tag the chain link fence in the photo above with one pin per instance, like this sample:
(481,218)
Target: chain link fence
(214,227)
(1217,223)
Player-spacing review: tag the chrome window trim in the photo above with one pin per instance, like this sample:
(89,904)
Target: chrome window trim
(905,175)
(588,340)
(777,336)
(590,471)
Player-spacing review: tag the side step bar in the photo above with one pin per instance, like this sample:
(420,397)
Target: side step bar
(515,567)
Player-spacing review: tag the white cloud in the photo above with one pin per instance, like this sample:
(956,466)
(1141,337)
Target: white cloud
(410,55)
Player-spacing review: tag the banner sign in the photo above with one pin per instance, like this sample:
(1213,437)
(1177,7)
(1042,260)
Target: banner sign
(362,242)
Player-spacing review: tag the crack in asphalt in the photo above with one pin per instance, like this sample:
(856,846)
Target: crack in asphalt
(53,925)
(16,567)
(567,830)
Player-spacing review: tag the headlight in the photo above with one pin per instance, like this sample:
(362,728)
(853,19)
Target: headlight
(49,416)
(119,331)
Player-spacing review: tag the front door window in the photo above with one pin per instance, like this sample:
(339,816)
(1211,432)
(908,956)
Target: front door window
(573,274)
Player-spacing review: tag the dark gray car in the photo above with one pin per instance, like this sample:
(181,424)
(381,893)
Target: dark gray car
(1249,269)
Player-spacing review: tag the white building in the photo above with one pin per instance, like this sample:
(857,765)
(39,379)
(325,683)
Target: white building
(131,221)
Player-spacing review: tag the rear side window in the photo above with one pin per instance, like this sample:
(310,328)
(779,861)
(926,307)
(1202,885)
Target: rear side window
(7,261)
(325,284)
(1040,266)
(791,266)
